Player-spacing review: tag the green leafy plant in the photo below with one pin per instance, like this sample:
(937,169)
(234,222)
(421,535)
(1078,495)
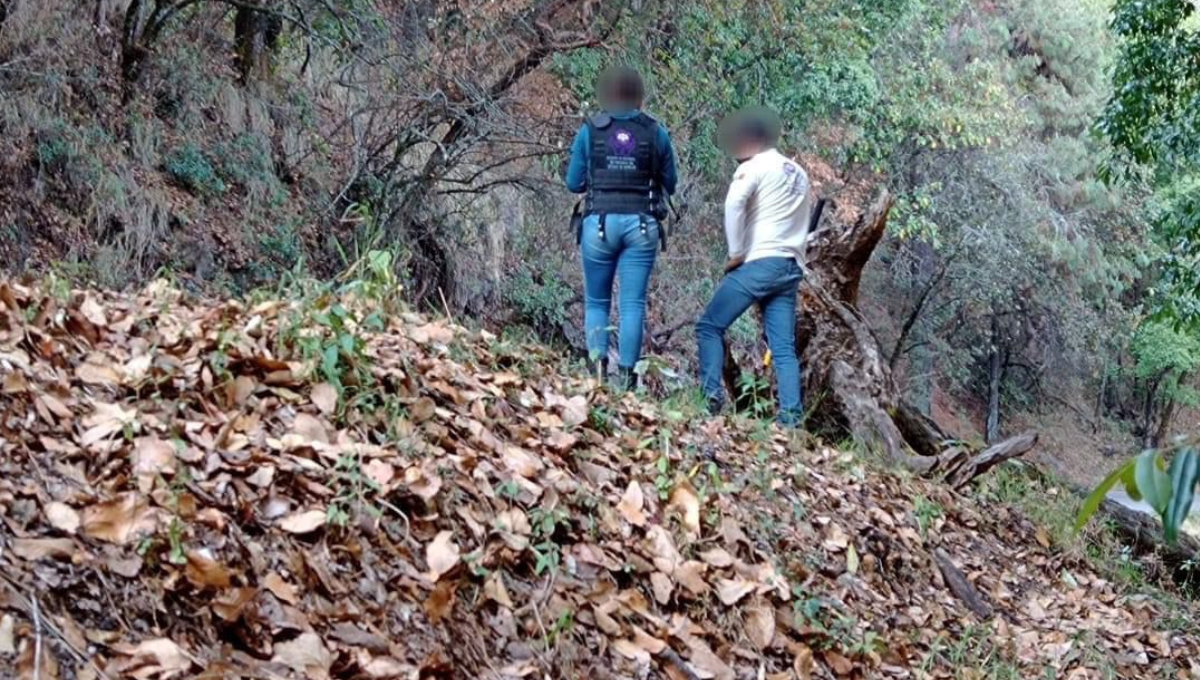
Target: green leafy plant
(353,491)
(927,513)
(190,167)
(1169,490)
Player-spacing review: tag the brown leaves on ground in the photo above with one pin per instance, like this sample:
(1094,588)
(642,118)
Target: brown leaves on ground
(181,495)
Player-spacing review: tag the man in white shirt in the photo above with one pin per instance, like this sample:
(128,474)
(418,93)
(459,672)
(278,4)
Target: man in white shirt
(767,214)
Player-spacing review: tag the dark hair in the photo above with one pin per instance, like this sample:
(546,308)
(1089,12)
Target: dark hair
(620,87)
(753,129)
(756,124)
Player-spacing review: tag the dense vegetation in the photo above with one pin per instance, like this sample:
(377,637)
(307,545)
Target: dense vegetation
(1037,260)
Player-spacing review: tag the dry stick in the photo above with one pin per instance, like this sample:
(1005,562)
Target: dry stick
(445,305)
(670,655)
(37,638)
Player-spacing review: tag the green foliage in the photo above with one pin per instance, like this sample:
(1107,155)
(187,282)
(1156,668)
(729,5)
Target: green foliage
(353,491)
(1153,117)
(1153,122)
(1170,493)
(1161,350)
(1176,295)
(281,245)
(247,160)
(1123,475)
(191,169)
(541,300)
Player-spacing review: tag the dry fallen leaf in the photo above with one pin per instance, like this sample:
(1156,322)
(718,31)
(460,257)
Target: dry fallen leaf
(632,651)
(231,603)
(306,655)
(424,485)
(205,572)
(838,663)
(706,662)
(125,519)
(303,522)
(731,591)
(325,396)
(8,645)
(686,502)
(152,457)
(662,549)
(96,373)
(836,539)
(379,472)
(760,624)
(803,664)
(690,575)
(422,409)
(310,429)
(496,591)
(440,602)
(631,504)
(717,557)
(662,586)
(93,311)
(521,462)
(62,517)
(34,549)
(514,528)
(105,421)
(575,412)
(281,588)
(441,555)
(158,658)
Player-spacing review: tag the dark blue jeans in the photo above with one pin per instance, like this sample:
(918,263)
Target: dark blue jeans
(771,284)
(625,252)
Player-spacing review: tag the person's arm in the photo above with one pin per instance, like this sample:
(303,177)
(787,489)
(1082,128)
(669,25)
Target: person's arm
(668,176)
(745,183)
(577,169)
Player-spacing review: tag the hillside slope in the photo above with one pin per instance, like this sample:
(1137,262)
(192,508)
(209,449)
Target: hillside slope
(320,489)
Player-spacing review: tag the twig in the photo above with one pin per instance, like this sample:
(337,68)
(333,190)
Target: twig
(670,655)
(445,305)
(544,595)
(399,513)
(37,638)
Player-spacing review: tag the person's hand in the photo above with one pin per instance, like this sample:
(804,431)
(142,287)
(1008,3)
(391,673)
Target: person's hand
(734,263)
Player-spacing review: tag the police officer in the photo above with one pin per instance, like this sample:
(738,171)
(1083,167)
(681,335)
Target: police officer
(768,211)
(623,162)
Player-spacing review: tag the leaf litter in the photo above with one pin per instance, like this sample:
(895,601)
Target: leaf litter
(185,491)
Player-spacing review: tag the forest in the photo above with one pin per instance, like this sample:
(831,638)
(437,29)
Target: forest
(243,234)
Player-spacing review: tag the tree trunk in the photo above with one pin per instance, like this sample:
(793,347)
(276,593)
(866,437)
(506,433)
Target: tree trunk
(255,36)
(995,378)
(848,380)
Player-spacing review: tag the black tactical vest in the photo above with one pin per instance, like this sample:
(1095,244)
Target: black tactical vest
(623,165)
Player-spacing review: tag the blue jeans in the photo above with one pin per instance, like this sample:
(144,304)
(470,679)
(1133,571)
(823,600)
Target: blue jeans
(771,283)
(626,252)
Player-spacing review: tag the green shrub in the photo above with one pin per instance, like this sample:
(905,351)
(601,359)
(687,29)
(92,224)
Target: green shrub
(191,169)
(247,161)
(540,301)
(281,245)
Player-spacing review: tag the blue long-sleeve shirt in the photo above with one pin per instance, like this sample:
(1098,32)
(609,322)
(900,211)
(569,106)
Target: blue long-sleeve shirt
(581,154)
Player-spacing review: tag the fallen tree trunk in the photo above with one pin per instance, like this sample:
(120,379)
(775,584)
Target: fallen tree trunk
(848,382)
(1141,531)
(1144,534)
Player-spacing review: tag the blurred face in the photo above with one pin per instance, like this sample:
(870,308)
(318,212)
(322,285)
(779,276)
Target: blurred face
(747,148)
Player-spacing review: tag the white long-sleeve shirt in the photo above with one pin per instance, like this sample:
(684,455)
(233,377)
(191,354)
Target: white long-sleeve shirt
(768,208)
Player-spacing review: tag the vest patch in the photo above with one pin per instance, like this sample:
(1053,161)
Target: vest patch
(623,142)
